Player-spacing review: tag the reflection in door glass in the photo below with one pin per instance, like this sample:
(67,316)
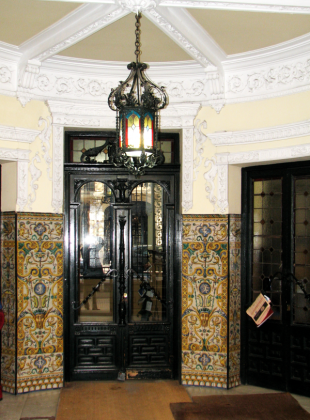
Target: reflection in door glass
(148,290)
(267,239)
(301,306)
(95,224)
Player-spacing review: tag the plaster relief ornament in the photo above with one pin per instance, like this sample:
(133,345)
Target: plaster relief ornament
(137,6)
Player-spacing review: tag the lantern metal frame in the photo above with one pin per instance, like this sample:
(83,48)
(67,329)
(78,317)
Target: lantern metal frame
(140,95)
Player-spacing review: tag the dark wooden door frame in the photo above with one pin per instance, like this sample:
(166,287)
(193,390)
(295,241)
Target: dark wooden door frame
(97,170)
(296,168)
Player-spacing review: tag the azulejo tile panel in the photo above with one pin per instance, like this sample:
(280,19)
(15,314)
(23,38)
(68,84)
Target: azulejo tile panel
(205,286)
(33,356)
(8,298)
(234,299)
(39,301)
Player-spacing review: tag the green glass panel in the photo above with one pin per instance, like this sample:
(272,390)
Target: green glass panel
(257,187)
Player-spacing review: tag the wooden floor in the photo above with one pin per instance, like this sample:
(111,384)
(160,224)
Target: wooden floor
(45,403)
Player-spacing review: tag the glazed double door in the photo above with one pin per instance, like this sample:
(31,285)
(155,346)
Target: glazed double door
(121,277)
(276,216)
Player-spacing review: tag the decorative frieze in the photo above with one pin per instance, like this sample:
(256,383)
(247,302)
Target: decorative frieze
(21,135)
(280,132)
(268,81)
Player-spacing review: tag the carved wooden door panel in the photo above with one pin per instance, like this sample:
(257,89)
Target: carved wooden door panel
(126,325)
(276,241)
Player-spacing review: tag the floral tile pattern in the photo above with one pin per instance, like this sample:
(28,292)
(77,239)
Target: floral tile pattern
(206,344)
(37,352)
(234,299)
(40,301)
(8,298)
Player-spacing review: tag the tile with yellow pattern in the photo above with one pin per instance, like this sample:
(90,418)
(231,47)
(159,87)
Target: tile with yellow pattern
(8,298)
(234,299)
(39,301)
(204,300)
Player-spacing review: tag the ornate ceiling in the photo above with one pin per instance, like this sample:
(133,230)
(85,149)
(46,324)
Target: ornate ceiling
(211,42)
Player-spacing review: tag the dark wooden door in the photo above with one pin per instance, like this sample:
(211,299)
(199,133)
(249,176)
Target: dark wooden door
(102,342)
(276,239)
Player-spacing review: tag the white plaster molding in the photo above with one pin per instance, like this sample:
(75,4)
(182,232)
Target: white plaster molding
(209,176)
(295,7)
(72,28)
(35,175)
(22,184)
(7,77)
(53,86)
(217,168)
(176,35)
(266,73)
(280,132)
(136,6)
(5,74)
(200,138)
(270,81)
(181,26)
(187,168)
(86,31)
(58,161)
(222,186)
(181,116)
(45,136)
(221,161)
(27,81)
(301,151)
(21,157)
(293,50)
(18,134)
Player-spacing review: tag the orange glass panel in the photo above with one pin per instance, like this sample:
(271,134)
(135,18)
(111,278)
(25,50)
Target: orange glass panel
(148,132)
(121,133)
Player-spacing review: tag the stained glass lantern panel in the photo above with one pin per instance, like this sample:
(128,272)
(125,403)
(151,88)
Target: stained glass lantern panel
(148,133)
(133,130)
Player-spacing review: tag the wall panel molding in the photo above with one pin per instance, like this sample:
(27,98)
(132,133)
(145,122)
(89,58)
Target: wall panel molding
(21,156)
(18,134)
(280,132)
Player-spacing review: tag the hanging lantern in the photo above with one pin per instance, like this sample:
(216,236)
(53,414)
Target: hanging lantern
(137,102)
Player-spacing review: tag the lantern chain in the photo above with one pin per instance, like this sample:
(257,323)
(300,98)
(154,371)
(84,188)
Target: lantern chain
(138,32)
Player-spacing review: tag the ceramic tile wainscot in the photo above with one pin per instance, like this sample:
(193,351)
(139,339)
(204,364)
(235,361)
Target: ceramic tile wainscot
(38,351)
(211,300)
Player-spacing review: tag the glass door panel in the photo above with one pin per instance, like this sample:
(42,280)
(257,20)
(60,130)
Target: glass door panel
(301,306)
(148,255)
(95,225)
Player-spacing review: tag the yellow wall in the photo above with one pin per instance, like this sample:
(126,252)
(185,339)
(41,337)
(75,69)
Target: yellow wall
(9,186)
(233,117)
(246,116)
(14,115)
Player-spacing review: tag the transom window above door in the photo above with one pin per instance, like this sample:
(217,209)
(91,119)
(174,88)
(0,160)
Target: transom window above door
(77,143)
